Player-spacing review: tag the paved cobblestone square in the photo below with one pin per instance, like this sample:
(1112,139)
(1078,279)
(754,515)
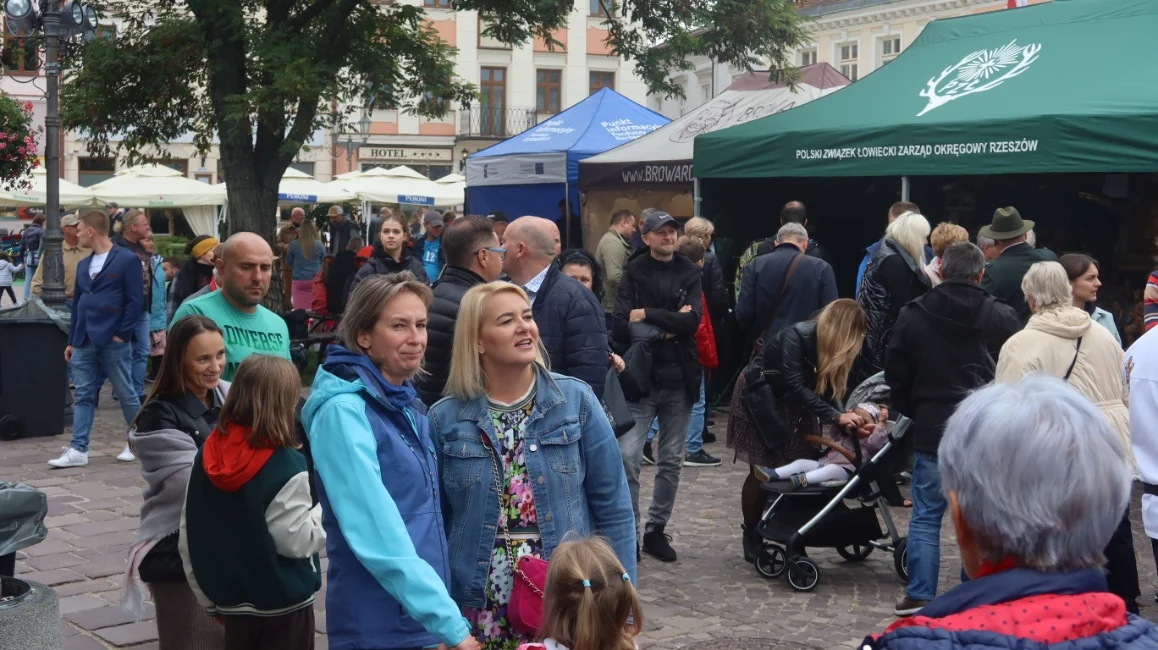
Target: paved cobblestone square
(709,600)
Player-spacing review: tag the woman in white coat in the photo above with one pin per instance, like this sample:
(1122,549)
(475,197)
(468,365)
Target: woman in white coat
(1063,341)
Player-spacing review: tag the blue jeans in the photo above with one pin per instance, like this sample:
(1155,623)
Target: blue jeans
(90,364)
(929,505)
(141,347)
(695,425)
(29,271)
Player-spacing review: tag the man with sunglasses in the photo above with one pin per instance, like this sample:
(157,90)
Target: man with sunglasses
(473,256)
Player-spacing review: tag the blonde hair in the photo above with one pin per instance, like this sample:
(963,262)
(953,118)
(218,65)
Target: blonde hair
(909,231)
(1047,286)
(263,398)
(467,379)
(840,331)
(589,600)
(368,300)
(307,235)
(945,235)
(699,228)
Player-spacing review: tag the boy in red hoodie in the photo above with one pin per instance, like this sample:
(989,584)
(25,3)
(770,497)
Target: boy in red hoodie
(250,534)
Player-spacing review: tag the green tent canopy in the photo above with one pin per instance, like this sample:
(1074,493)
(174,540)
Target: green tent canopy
(1066,86)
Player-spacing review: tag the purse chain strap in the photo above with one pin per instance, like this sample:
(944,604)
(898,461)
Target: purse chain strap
(495,466)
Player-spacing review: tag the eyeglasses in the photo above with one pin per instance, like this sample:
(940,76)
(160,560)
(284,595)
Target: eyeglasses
(501,251)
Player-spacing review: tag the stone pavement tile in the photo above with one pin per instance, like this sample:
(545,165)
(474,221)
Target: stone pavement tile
(321,642)
(108,539)
(79,603)
(102,527)
(108,503)
(67,630)
(104,569)
(61,521)
(48,548)
(103,515)
(83,587)
(53,577)
(128,635)
(80,642)
(102,617)
(153,645)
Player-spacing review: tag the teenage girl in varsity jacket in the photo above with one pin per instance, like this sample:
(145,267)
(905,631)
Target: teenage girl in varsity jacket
(249,535)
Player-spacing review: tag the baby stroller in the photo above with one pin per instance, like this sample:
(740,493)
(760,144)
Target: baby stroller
(818,517)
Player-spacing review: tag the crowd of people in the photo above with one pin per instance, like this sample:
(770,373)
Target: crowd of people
(470,450)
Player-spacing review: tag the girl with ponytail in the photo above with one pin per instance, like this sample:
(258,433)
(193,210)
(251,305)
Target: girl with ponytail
(589,602)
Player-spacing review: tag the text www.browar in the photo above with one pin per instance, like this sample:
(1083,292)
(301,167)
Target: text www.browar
(659,174)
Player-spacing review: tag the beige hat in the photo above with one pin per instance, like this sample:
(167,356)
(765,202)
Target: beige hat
(334,211)
(69,220)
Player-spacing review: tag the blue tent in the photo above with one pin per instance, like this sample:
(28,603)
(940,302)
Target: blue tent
(532,172)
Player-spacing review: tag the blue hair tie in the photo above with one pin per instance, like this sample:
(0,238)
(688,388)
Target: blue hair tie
(586,584)
(626,578)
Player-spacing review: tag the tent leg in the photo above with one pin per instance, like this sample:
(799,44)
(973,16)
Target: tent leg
(904,188)
(566,238)
(696,209)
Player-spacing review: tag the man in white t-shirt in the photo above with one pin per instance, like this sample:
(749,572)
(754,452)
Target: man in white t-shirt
(1140,372)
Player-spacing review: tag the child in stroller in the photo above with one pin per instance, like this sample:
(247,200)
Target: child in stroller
(833,466)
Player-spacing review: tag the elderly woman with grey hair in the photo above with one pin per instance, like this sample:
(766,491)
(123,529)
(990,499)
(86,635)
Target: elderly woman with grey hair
(1062,341)
(1035,478)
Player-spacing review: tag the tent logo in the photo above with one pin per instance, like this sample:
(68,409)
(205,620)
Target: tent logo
(980,71)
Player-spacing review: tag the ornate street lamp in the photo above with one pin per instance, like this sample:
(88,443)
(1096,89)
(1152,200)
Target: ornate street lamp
(350,142)
(67,26)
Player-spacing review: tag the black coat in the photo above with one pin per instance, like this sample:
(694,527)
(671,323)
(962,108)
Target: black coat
(191,277)
(712,283)
(341,274)
(341,233)
(573,328)
(793,353)
(1003,276)
(944,345)
(661,289)
(890,281)
(448,293)
(186,413)
(813,286)
(380,263)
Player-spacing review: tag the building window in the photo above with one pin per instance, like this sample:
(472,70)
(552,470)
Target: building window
(807,57)
(489,42)
(20,55)
(95,170)
(441,4)
(548,91)
(493,101)
(849,58)
(890,48)
(304,167)
(206,178)
(601,80)
(598,8)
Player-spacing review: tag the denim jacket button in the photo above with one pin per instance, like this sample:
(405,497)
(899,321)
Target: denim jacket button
(542,480)
(548,517)
(534,447)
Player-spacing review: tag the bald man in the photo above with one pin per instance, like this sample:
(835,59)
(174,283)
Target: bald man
(244,267)
(297,216)
(570,318)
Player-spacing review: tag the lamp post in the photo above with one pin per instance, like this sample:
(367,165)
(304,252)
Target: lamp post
(350,141)
(66,25)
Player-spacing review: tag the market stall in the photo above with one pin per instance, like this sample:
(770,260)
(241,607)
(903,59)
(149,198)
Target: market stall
(157,186)
(535,171)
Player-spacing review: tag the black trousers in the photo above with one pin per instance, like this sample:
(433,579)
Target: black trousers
(293,631)
(1122,566)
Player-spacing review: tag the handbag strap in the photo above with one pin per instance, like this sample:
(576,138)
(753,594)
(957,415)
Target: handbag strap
(497,467)
(776,309)
(1073,363)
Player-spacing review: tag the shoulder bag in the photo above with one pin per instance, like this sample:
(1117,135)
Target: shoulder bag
(758,398)
(615,404)
(1077,351)
(525,610)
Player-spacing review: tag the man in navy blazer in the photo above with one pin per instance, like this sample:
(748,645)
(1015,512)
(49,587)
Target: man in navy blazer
(106,305)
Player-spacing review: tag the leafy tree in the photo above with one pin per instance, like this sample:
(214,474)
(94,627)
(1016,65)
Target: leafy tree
(263,75)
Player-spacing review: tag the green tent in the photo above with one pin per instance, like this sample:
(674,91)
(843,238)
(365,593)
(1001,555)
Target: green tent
(1066,86)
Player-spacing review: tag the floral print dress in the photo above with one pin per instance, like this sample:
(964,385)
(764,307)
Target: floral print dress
(490,626)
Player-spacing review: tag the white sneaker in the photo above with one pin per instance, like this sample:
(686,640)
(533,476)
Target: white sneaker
(70,458)
(126,456)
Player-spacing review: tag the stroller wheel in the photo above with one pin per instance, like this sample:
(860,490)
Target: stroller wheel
(771,561)
(803,575)
(900,559)
(855,553)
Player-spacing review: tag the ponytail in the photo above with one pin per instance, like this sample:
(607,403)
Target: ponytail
(589,599)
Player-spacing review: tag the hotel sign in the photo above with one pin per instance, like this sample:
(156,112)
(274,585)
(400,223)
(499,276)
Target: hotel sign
(406,154)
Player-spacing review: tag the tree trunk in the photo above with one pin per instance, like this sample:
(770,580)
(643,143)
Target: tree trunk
(252,208)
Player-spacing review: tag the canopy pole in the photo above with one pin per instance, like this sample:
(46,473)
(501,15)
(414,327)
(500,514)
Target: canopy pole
(904,188)
(696,210)
(567,221)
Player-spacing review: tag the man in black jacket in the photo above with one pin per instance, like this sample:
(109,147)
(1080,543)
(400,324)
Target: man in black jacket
(571,322)
(812,287)
(1004,274)
(661,288)
(473,257)
(792,212)
(945,345)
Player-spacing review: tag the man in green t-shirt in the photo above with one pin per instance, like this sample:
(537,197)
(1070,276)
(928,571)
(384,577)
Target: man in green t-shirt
(243,270)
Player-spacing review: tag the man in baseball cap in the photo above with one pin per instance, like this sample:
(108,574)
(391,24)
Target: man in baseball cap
(72,252)
(1014,257)
(429,248)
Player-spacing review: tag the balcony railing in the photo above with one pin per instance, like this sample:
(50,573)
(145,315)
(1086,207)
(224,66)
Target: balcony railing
(494,122)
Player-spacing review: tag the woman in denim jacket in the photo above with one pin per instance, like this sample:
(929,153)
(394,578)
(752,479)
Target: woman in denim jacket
(543,436)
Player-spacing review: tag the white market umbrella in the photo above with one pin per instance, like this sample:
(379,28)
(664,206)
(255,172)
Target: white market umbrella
(398,185)
(70,193)
(157,186)
(455,185)
(451,179)
(298,187)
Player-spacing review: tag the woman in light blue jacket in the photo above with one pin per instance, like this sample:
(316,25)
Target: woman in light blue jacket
(524,446)
(1082,271)
(378,479)
(158,311)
